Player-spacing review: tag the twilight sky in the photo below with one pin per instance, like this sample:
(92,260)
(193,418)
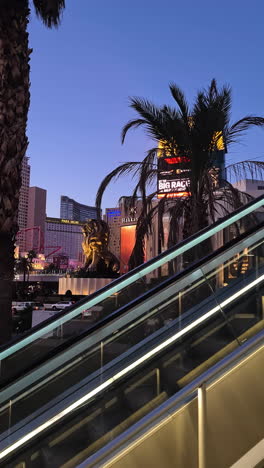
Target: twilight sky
(105,51)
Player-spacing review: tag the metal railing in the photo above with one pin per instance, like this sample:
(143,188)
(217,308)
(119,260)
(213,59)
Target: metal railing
(196,389)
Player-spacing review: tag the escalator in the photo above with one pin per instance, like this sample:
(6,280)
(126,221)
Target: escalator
(69,405)
(54,335)
(215,421)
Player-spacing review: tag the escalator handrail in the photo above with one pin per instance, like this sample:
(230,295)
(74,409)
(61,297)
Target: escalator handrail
(137,273)
(77,405)
(134,303)
(186,394)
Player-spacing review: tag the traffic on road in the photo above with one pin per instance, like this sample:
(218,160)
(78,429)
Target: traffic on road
(27,314)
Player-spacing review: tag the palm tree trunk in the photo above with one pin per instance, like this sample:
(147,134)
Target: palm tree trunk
(196,218)
(6,272)
(14,104)
(24,281)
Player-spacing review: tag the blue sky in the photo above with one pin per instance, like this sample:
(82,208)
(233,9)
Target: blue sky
(83,73)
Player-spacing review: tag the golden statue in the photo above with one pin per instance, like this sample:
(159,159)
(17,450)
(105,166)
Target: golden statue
(98,259)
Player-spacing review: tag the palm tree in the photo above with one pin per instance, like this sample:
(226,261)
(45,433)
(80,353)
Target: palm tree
(14,105)
(30,256)
(22,265)
(200,134)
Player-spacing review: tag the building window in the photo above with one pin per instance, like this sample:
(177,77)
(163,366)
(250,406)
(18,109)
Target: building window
(260,187)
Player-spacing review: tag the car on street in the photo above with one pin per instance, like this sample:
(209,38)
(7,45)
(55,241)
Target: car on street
(21,306)
(62,305)
(37,305)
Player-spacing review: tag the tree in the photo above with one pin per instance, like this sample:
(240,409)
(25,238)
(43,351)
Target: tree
(30,256)
(22,266)
(14,105)
(195,134)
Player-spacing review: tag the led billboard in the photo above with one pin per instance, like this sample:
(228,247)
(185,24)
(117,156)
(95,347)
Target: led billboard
(173,176)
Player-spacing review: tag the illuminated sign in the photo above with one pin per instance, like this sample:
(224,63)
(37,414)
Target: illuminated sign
(113,213)
(69,221)
(173,180)
(63,221)
(173,195)
(173,185)
(177,160)
(173,168)
(129,220)
(132,218)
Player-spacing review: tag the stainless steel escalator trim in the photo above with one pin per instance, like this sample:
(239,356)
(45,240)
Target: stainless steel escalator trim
(132,278)
(33,433)
(158,416)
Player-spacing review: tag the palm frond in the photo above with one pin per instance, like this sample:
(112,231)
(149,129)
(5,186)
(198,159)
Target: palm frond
(123,169)
(198,133)
(245,169)
(180,99)
(176,213)
(50,11)
(232,197)
(152,116)
(147,171)
(212,92)
(144,227)
(238,128)
(128,202)
(161,210)
(135,123)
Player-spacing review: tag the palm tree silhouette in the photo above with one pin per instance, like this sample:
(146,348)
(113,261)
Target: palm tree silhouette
(201,135)
(14,105)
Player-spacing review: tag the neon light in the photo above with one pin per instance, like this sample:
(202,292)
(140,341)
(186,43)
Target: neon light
(177,160)
(174,195)
(126,370)
(111,214)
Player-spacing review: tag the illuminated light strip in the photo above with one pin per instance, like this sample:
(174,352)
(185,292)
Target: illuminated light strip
(56,418)
(140,318)
(167,415)
(177,160)
(188,328)
(125,371)
(174,195)
(126,282)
